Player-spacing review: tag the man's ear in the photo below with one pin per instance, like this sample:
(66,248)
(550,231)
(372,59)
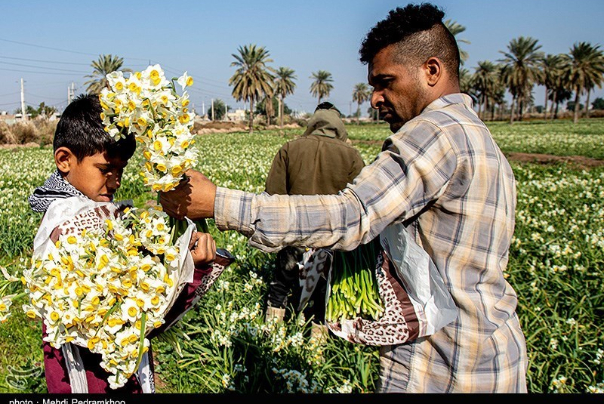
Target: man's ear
(433,69)
(64,159)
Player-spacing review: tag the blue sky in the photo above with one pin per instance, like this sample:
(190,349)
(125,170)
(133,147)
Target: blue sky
(52,44)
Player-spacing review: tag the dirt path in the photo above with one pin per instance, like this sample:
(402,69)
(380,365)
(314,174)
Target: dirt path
(579,161)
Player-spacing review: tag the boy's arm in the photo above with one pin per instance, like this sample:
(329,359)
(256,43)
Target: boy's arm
(203,278)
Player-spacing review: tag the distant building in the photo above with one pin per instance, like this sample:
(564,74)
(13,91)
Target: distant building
(11,119)
(237,115)
(8,119)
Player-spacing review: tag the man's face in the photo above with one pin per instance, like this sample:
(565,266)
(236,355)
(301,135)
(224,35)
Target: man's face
(97,176)
(398,89)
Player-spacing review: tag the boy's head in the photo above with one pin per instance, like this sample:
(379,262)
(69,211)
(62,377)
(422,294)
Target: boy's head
(85,155)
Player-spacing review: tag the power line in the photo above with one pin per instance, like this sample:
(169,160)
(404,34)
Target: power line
(5,95)
(45,61)
(41,67)
(43,96)
(58,49)
(29,71)
(45,47)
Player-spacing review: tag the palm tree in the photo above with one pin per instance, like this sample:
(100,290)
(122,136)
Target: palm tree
(322,86)
(484,83)
(284,85)
(456,29)
(360,94)
(584,67)
(253,79)
(551,66)
(521,70)
(560,93)
(104,65)
(466,83)
(498,98)
(269,108)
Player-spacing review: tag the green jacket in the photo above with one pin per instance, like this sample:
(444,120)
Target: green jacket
(318,162)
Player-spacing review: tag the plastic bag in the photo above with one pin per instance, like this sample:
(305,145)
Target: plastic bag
(415,299)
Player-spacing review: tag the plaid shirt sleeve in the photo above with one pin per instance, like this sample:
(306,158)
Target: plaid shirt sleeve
(402,180)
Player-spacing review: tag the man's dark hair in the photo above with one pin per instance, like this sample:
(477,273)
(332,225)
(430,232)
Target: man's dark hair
(81,130)
(418,32)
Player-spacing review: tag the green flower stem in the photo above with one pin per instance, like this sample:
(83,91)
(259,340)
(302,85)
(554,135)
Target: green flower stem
(141,344)
(354,291)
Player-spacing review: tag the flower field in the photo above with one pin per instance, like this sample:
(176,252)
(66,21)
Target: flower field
(224,345)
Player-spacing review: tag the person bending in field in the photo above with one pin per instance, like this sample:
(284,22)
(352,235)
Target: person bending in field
(319,162)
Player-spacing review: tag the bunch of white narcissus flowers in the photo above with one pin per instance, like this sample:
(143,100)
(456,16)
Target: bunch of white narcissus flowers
(146,105)
(103,291)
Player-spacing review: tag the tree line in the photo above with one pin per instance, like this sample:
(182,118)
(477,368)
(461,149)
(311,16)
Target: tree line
(522,66)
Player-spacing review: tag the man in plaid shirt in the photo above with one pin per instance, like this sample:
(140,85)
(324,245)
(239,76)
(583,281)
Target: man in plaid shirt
(443,176)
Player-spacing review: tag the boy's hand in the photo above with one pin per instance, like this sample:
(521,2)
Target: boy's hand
(203,248)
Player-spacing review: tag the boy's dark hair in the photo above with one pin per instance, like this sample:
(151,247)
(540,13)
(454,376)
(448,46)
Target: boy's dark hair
(81,130)
(418,32)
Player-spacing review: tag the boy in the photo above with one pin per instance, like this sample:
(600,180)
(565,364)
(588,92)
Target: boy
(90,164)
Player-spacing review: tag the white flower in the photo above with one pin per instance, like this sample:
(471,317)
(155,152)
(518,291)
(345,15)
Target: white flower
(99,290)
(5,304)
(147,106)
(116,80)
(185,80)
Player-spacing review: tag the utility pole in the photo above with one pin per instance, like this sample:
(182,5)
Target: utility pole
(70,93)
(24,115)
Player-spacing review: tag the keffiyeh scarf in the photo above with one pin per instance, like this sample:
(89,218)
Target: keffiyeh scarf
(55,187)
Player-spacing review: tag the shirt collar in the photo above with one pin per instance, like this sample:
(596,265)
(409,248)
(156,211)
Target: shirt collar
(449,99)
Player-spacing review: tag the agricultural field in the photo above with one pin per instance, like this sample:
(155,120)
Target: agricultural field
(223,345)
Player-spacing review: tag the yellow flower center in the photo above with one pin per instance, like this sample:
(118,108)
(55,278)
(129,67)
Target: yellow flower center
(184,118)
(176,170)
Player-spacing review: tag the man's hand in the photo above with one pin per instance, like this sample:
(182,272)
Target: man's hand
(193,198)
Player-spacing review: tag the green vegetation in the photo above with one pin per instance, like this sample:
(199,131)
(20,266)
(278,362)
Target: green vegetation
(224,345)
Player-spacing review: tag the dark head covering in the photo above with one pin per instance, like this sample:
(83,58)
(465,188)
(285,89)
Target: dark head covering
(326,121)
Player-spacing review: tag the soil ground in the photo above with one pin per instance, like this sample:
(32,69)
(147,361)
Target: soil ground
(579,161)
